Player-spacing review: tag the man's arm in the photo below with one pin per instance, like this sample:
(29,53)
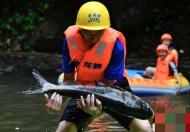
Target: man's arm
(115,68)
(114,72)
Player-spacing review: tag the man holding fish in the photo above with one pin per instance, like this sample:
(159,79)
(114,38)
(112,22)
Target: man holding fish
(92,52)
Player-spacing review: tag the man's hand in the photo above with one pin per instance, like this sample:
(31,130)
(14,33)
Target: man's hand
(92,106)
(54,103)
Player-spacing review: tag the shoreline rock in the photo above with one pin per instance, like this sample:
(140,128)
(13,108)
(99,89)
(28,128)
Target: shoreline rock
(24,62)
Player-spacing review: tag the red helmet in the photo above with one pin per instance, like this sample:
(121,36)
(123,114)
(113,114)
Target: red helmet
(166,36)
(162,47)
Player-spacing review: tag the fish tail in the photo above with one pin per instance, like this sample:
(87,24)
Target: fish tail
(39,78)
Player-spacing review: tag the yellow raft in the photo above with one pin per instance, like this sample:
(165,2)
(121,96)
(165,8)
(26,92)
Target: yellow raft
(150,87)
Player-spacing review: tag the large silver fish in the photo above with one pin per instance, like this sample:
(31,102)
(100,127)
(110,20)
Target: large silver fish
(122,102)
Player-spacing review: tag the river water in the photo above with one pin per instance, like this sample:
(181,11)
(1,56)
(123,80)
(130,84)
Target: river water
(26,113)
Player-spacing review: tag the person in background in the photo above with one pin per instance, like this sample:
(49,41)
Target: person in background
(166,39)
(92,52)
(166,66)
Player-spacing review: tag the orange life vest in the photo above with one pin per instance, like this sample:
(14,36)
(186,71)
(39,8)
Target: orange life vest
(92,62)
(162,68)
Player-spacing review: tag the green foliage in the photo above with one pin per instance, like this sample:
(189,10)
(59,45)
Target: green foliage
(20,19)
(156,23)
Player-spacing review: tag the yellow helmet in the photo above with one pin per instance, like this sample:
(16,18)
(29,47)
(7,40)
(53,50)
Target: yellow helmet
(93,16)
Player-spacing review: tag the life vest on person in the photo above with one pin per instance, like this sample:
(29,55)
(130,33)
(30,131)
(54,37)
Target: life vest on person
(162,68)
(93,62)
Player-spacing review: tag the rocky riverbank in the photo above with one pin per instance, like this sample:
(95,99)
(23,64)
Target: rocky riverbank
(24,62)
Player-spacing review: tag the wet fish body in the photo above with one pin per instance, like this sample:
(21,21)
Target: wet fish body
(122,102)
